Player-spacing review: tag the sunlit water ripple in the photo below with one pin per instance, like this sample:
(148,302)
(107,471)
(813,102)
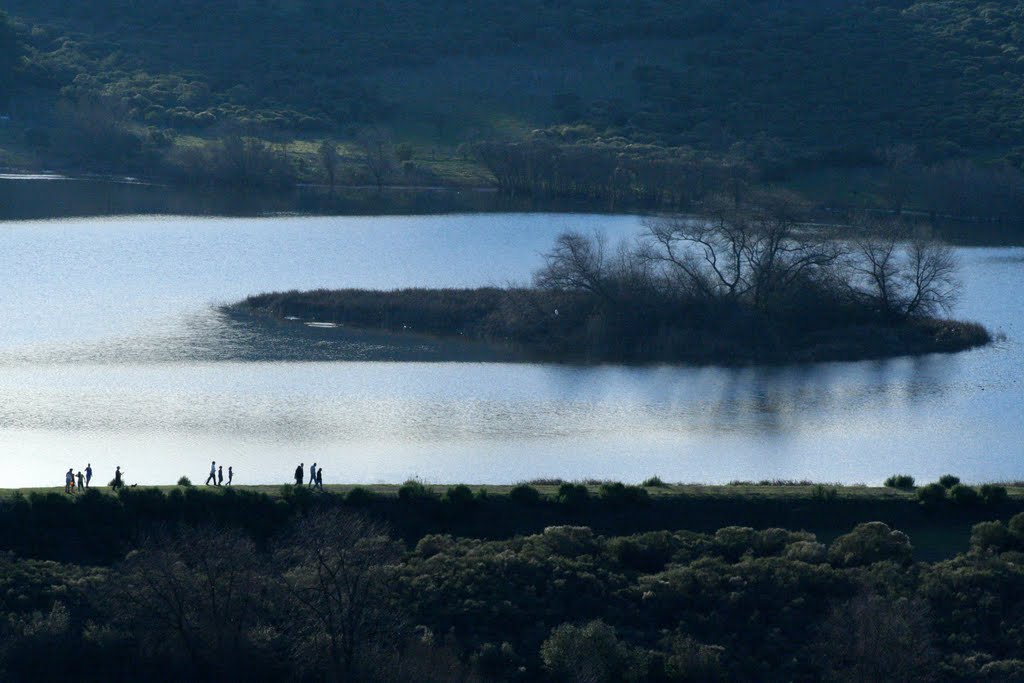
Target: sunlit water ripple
(113,352)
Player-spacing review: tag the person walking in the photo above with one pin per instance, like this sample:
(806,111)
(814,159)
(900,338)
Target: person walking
(213,474)
(231,475)
(220,475)
(81,482)
(117,479)
(88,474)
(312,475)
(320,478)
(69,478)
(299,472)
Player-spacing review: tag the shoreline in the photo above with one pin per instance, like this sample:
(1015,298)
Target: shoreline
(940,527)
(549,489)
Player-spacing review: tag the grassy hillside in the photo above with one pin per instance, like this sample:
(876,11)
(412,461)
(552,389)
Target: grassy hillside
(779,87)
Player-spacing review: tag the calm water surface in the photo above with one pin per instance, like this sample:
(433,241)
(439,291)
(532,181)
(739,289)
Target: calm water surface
(112,352)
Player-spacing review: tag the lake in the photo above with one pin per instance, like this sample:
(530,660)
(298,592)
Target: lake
(112,352)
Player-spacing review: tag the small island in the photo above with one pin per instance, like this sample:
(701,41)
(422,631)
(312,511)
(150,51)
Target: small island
(744,284)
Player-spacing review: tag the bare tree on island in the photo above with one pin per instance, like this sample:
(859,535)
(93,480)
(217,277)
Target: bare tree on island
(901,271)
(763,258)
(576,262)
(755,254)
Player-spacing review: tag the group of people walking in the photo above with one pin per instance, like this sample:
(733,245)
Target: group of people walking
(83,481)
(216,477)
(77,483)
(316,476)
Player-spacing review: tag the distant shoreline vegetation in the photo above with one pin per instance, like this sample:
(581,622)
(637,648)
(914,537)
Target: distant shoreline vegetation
(746,284)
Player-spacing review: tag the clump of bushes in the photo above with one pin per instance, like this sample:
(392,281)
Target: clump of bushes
(904,482)
(413,490)
(617,493)
(460,495)
(185,481)
(990,536)
(994,494)
(949,481)
(811,552)
(360,496)
(592,652)
(654,482)
(573,495)
(964,495)
(932,494)
(523,494)
(869,543)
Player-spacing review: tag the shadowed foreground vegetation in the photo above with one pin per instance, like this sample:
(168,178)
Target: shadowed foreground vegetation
(554,582)
(747,283)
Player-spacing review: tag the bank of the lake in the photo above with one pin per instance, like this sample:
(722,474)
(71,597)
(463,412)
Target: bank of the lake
(939,526)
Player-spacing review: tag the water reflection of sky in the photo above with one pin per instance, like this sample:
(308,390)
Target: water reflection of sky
(112,353)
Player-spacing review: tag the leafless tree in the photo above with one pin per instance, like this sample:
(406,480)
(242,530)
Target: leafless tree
(931,276)
(377,154)
(576,262)
(754,254)
(334,568)
(902,272)
(197,590)
(328,153)
(872,638)
(579,263)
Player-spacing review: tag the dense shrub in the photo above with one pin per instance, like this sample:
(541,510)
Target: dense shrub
(869,543)
(184,481)
(733,541)
(414,490)
(573,495)
(648,552)
(654,482)
(949,481)
(994,494)
(359,496)
(459,496)
(811,552)
(1004,671)
(689,660)
(964,495)
(990,536)
(1016,525)
(592,652)
(900,481)
(568,541)
(932,494)
(617,493)
(524,494)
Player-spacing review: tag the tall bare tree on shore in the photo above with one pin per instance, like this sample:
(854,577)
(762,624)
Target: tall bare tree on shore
(328,154)
(377,154)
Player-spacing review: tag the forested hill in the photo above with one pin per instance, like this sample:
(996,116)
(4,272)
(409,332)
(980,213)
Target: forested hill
(774,82)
